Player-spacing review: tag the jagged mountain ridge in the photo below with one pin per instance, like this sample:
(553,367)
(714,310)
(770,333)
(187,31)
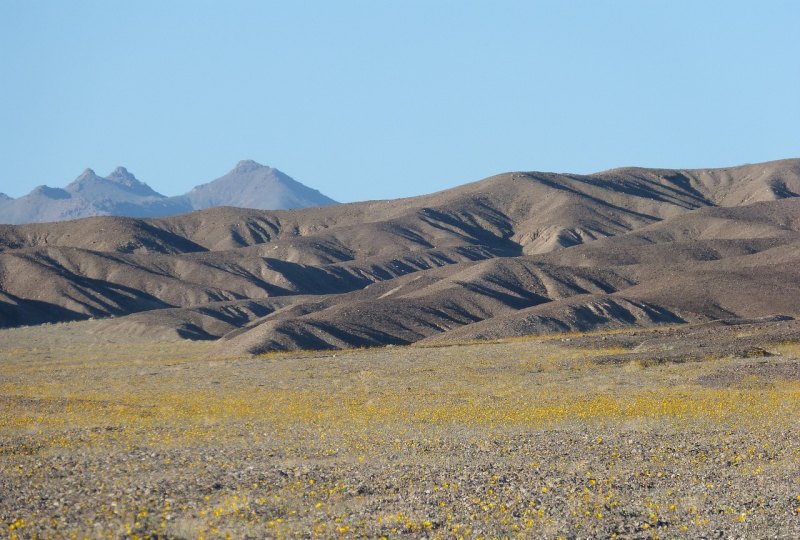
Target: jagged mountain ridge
(515,253)
(248,185)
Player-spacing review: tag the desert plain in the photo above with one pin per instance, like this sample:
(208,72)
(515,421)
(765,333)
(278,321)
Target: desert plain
(665,432)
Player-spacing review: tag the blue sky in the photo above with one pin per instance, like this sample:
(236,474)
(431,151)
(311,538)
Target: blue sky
(372,99)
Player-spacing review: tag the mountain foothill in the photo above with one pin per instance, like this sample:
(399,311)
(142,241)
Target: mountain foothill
(520,253)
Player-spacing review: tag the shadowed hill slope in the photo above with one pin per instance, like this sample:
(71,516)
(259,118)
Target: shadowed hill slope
(514,253)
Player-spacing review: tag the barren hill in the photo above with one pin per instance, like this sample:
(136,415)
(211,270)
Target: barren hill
(517,253)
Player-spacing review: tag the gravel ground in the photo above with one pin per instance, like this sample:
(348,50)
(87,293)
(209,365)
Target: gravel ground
(525,438)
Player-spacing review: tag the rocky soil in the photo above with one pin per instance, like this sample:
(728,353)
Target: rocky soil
(570,436)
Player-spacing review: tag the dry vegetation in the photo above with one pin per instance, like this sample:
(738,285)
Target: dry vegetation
(525,438)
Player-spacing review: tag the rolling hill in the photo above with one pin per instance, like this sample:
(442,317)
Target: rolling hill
(515,254)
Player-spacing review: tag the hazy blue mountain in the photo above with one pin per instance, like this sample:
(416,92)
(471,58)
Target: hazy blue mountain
(248,185)
(252,185)
(119,185)
(118,194)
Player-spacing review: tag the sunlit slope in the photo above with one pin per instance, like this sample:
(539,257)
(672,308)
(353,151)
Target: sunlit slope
(642,246)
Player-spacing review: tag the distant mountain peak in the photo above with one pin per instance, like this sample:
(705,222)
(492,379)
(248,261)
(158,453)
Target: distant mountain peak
(253,185)
(120,172)
(120,185)
(122,176)
(86,175)
(247,165)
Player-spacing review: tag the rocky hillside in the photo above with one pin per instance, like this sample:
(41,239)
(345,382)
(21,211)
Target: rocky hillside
(515,254)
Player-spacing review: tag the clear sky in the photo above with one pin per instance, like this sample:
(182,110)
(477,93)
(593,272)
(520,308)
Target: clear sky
(376,99)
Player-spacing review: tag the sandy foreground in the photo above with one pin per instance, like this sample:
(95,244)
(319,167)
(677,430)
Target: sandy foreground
(522,438)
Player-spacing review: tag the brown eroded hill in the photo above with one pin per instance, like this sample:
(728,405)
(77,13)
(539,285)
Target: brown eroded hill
(517,253)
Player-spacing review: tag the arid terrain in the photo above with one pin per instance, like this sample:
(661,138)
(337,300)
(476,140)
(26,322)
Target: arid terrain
(531,355)
(512,255)
(674,431)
